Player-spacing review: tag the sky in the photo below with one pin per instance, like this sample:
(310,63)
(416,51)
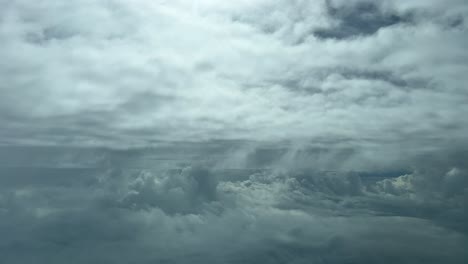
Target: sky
(261,131)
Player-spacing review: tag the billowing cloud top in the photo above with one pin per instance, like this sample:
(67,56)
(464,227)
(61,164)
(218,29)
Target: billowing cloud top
(261,131)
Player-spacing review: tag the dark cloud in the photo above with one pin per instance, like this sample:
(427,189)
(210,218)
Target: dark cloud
(358,19)
(196,214)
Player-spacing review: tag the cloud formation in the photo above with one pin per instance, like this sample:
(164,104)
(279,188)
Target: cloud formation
(97,73)
(264,131)
(193,214)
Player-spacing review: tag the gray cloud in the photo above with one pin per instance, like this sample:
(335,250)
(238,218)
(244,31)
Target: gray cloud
(359,19)
(194,214)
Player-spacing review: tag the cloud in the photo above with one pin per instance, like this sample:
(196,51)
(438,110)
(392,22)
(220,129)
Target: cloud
(359,19)
(131,74)
(233,132)
(190,213)
(184,191)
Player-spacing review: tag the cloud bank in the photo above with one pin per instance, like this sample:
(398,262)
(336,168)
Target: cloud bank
(215,214)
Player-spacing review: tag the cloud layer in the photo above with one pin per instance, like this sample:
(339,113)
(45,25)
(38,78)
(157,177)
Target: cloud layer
(97,73)
(279,131)
(191,213)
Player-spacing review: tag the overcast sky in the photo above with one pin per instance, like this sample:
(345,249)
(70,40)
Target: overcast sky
(261,131)
(135,72)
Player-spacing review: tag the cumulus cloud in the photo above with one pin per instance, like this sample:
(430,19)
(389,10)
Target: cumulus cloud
(184,191)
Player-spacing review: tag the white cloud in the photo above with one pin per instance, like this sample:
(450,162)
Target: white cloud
(135,72)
